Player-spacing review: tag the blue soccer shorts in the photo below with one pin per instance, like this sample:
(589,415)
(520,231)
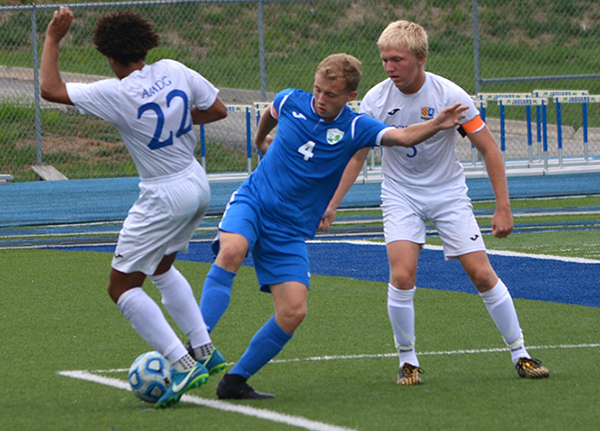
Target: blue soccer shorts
(278,254)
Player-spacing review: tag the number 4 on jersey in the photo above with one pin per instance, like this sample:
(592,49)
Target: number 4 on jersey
(307,150)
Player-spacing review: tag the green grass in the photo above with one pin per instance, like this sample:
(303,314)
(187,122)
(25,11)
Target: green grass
(57,316)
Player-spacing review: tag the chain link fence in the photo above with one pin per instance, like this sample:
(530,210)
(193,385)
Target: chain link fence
(251,49)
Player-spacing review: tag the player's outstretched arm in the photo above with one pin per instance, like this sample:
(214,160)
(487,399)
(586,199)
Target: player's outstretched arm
(265,125)
(417,133)
(51,84)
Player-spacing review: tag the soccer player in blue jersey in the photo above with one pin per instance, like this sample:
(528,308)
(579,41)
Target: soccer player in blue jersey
(153,106)
(281,203)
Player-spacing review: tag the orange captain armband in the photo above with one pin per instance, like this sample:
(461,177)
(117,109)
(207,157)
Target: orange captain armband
(471,126)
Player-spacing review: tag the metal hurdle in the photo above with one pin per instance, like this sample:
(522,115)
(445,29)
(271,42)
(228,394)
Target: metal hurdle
(259,107)
(247,109)
(584,99)
(495,97)
(552,94)
(528,103)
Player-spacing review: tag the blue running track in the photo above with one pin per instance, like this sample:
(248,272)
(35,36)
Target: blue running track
(109,199)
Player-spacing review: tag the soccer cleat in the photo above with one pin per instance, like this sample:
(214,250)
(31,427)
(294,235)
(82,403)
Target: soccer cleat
(230,388)
(181,382)
(529,368)
(409,375)
(215,363)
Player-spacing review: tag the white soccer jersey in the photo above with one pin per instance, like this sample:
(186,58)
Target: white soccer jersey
(433,163)
(151,109)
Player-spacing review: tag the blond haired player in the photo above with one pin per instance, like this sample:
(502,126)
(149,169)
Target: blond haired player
(427,183)
(280,205)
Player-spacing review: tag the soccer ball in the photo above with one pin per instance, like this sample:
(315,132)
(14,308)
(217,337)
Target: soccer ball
(150,376)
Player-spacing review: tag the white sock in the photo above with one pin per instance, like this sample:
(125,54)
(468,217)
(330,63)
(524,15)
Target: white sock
(502,310)
(178,298)
(149,322)
(401,311)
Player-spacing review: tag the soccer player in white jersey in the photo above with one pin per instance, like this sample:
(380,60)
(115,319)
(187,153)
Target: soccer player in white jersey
(281,203)
(153,106)
(427,182)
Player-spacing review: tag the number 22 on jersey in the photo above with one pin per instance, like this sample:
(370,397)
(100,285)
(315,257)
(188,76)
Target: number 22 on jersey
(184,125)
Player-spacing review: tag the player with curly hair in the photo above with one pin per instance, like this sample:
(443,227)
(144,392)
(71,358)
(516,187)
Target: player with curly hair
(153,106)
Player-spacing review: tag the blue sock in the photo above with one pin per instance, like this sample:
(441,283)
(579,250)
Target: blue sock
(216,294)
(264,346)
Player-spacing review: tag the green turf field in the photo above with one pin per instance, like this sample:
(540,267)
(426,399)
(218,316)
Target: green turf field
(337,373)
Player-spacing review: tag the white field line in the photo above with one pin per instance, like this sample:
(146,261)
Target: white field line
(297,421)
(385,355)
(493,252)
(269,415)
(529,255)
(438,353)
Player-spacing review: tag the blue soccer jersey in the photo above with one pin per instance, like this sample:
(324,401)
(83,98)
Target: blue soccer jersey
(301,170)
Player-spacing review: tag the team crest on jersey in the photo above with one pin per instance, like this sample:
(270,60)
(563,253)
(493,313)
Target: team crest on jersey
(427,113)
(334,136)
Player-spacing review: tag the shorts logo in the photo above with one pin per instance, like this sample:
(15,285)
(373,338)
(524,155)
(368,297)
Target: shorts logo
(427,113)
(334,136)
(474,238)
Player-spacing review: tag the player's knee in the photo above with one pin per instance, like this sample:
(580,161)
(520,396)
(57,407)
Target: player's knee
(230,257)
(402,279)
(290,317)
(484,278)
(114,292)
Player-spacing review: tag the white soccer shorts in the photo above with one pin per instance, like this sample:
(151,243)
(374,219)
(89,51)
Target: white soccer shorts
(162,220)
(405,213)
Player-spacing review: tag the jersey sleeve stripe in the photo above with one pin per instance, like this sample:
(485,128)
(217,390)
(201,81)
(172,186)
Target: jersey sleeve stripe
(274,112)
(353,127)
